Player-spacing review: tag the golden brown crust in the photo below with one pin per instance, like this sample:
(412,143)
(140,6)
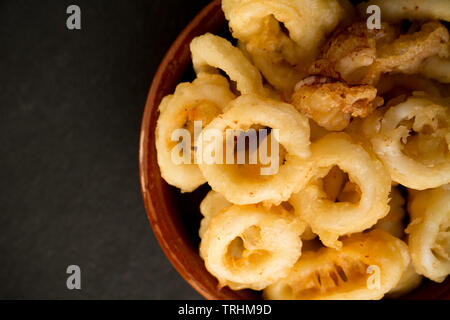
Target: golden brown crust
(332,104)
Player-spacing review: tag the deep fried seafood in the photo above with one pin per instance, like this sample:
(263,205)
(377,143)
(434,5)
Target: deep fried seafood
(429,232)
(251,183)
(210,52)
(414,141)
(281,53)
(360,56)
(210,206)
(333,104)
(202,100)
(347,273)
(251,246)
(364,198)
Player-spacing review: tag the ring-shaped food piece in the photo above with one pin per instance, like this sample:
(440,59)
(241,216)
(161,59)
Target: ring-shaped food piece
(429,232)
(202,100)
(251,246)
(211,52)
(367,267)
(239,183)
(330,219)
(414,143)
(282,54)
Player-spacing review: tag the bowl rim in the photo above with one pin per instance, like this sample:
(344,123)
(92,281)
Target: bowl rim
(152,102)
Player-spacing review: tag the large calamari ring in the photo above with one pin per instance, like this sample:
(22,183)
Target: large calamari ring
(246,183)
(251,246)
(366,195)
(274,51)
(210,52)
(414,143)
(429,232)
(367,267)
(202,100)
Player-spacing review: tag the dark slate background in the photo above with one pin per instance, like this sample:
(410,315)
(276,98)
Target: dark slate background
(70,109)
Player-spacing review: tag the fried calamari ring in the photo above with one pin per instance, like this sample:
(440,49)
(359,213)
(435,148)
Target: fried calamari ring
(201,100)
(414,143)
(278,53)
(395,11)
(210,52)
(393,222)
(333,104)
(210,206)
(247,183)
(251,246)
(429,232)
(329,274)
(368,181)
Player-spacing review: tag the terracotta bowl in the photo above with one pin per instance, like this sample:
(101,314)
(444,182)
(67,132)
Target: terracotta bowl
(175,217)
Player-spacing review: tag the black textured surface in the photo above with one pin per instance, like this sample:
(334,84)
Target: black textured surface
(70,109)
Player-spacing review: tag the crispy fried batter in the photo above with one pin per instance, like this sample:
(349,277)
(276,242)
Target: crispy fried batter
(332,104)
(360,56)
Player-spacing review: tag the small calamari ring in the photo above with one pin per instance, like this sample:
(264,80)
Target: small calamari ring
(210,206)
(210,52)
(251,246)
(367,267)
(201,100)
(252,183)
(330,219)
(415,156)
(429,232)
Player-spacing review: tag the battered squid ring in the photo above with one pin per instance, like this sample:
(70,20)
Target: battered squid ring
(427,161)
(202,100)
(329,274)
(251,246)
(398,10)
(210,52)
(255,22)
(429,232)
(210,206)
(237,185)
(331,219)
